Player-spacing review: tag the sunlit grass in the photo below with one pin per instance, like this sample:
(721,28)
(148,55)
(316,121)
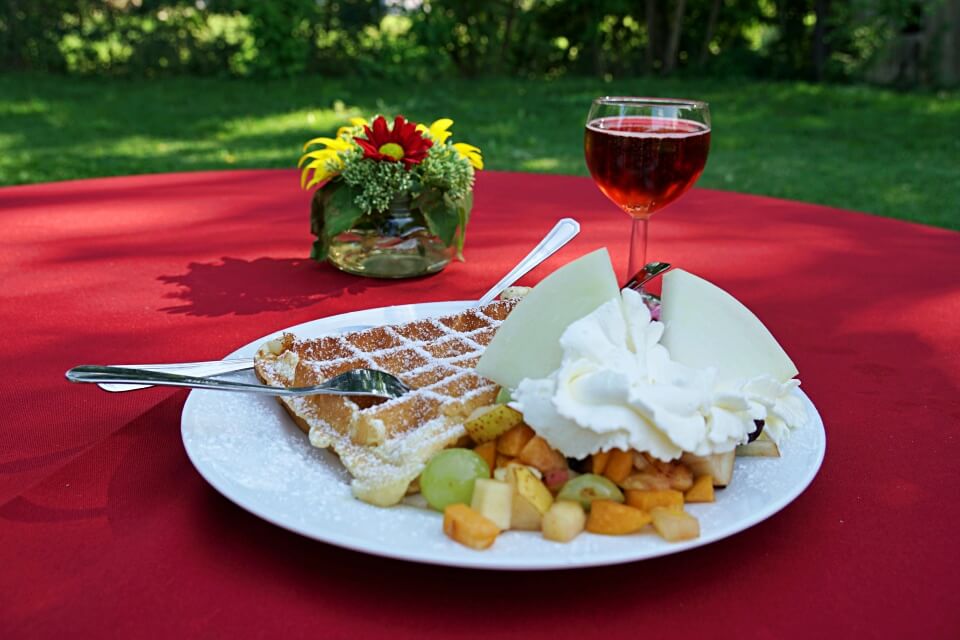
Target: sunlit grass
(848,146)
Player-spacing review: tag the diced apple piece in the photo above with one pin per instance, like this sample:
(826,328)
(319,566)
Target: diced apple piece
(679,475)
(701,491)
(649,500)
(707,327)
(527,344)
(513,441)
(494,501)
(537,453)
(523,515)
(564,521)
(614,519)
(641,461)
(598,462)
(468,527)
(497,420)
(759,448)
(718,465)
(619,465)
(487,451)
(675,526)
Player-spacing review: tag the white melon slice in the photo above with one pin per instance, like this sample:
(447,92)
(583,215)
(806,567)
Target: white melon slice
(707,327)
(527,345)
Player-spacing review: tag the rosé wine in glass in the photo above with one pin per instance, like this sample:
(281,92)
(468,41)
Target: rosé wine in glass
(644,164)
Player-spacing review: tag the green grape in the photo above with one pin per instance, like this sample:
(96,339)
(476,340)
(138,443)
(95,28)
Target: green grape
(449,477)
(589,487)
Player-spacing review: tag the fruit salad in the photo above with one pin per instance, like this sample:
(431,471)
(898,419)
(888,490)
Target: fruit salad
(509,478)
(610,421)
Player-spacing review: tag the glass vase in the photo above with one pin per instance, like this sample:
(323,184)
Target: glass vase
(394,243)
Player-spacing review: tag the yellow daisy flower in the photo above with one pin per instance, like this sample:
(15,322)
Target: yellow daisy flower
(439,130)
(471,153)
(325,164)
(337,144)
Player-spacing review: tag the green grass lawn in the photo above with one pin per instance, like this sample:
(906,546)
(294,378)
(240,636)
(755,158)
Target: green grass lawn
(855,147)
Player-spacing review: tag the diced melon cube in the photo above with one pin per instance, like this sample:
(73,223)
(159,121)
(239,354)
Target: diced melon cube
(513,441)
(537,453)
(468,527)
(649,500)
(619,465)
(612,518)
(701,491)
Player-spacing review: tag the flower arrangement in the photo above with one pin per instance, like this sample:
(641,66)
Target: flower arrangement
(363,172)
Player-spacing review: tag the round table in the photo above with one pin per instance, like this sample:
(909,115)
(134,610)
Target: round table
(106,529)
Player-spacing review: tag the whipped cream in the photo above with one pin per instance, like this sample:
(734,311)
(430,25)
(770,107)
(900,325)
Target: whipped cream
(617,387)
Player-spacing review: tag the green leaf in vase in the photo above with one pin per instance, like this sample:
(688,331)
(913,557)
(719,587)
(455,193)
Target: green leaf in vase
(463,206)
(332,212)
(442,219)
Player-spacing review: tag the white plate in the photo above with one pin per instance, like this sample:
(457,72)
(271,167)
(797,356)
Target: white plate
(250,451)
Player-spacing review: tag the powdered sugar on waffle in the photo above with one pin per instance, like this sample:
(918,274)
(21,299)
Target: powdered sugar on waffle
(386,445)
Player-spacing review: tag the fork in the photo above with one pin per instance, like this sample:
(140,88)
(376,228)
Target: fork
(357,382)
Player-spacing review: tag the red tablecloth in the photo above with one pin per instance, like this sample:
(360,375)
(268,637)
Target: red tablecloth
(106,529)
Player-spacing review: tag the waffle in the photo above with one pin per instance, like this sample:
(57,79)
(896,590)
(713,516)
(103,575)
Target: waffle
(385,444)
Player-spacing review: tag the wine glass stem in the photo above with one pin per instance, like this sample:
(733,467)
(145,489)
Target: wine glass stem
(638,247)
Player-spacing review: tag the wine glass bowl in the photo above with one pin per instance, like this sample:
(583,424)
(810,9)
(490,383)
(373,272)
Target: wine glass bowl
(643,154)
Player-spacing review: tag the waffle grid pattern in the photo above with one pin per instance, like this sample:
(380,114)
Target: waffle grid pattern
(385,444)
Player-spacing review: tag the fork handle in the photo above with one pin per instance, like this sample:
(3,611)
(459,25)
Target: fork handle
(98,374)
(196,369)
(562,233)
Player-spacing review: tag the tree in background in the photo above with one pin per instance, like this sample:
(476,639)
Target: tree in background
(902,42)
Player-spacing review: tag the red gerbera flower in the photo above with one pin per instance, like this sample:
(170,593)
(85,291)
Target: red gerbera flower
(403,143)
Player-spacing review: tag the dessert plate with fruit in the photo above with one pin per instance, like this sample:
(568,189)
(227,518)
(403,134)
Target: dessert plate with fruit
(566,428)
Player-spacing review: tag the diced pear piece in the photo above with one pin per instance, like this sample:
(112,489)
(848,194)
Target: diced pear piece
(505,472)
(564,521)
(491,424)
(718,465)
(675,526)
(532,488)
(527,344)
(707,327)
(493,500)
(531,499)
(760,448)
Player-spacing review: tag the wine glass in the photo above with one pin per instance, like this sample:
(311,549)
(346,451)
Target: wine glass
(644,153)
